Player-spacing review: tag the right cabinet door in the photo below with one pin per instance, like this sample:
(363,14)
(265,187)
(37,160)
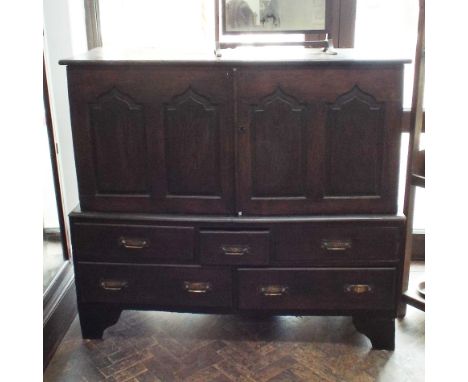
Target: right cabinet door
(322,139)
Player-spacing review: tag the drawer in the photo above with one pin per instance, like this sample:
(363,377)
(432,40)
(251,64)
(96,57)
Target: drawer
(343,244)
(324,289)
(132,243)
(234,247)
(170,286)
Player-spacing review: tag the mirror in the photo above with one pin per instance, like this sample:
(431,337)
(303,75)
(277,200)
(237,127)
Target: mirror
(274,16)
(55,252)
(53,256)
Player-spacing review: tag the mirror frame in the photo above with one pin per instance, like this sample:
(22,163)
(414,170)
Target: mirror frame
(328,12)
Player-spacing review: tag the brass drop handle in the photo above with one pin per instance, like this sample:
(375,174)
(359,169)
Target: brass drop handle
(273,290)
(235,250)
(358,288)
(197,287)
(338,245)
(113,285)
(133,242)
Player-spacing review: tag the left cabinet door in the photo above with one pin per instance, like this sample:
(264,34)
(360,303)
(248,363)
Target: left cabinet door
(151,138)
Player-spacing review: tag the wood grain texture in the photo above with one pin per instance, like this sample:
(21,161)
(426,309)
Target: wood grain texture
(192,146)
(373,240)
(278,151)
(150,346)
(162,143)
(118,142)
(344,126)
(285,137)
(336,243)
(321,289)
(133,243)
(354,146)
(180,139)
(242,247)
(165,286)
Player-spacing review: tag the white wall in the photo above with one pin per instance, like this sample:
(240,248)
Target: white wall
(166,25)
(64,36)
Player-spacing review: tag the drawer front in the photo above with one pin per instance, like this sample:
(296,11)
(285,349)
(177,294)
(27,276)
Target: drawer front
(132,243)
(336,244)
(317,289)
(160,285)
(234,247)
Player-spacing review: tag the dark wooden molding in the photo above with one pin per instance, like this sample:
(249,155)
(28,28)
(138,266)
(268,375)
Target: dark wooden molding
(58,312)
(114,95)
(356,94)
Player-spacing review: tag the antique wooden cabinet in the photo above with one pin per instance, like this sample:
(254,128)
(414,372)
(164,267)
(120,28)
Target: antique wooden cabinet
(237,185)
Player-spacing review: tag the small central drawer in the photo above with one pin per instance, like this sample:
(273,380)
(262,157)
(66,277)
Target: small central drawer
(317,289)
(234,247)
(132,243)
(177,285)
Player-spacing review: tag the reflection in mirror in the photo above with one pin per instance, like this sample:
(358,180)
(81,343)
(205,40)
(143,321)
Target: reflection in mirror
(280,16)
(53,253)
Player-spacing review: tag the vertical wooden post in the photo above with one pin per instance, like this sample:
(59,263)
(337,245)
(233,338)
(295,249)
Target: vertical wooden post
(416,122)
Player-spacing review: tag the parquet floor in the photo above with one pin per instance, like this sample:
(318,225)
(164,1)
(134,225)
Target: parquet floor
(160,346)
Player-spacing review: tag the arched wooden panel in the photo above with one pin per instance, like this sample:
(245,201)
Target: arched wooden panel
(278,149)
(119,144)
(192,146)
(354,146)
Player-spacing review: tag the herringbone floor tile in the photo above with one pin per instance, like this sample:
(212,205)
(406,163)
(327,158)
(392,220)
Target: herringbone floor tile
(165,347)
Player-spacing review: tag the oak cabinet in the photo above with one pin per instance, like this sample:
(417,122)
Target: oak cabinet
(237,185)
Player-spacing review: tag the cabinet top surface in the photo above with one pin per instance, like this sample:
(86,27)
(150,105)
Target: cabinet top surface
(239,56)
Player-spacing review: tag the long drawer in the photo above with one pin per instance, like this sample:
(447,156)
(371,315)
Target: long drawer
(317,289)
(336,243)
(132,243)
(151,284)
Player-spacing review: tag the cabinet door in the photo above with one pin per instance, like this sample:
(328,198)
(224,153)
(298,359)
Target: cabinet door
(318,140)
(153,138)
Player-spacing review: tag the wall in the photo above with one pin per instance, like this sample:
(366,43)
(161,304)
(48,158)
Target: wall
(165,25)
